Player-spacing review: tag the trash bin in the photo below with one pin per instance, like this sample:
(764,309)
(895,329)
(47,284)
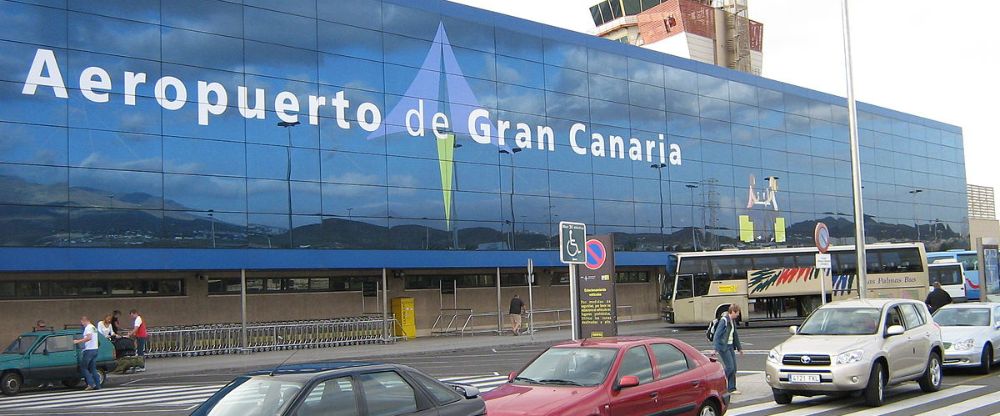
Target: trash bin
(406,322)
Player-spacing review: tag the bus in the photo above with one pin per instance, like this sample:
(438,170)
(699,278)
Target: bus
(970,262)
(949,273)
(783,283)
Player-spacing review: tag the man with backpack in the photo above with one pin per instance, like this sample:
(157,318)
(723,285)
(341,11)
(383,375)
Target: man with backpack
(726,342)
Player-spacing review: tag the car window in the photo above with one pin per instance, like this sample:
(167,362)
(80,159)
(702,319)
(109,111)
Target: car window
(387,394)
(255,396)
(636,363)
(330,398)
(893,318)
(996,315)
(670,361)
(911,317)
(442,394)
(20,345)
(60,343)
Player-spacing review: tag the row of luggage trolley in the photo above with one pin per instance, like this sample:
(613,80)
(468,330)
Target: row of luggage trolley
(270,336)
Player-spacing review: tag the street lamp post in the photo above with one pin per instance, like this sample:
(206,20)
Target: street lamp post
(454,202)
(916,225)
(694,236)
(513,220)
(659,185)
(852,116)
(211,217)
(288,174)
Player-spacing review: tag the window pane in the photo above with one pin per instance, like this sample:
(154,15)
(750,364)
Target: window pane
(669,360)
(387,394)
(331,397)
(636,363)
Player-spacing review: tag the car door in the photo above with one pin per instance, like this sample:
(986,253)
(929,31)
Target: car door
(918,334)
(995,332)
(331,397)
(386,393)
(447,400)
(897,348)
(678,383)
(638,400)
(55,358)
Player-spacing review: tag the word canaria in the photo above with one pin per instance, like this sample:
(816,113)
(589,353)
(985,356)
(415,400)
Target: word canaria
(213,100)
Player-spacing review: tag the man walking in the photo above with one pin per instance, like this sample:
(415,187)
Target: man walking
(88,363)
(937,298)
(140,335)
(516,307)
(726,342)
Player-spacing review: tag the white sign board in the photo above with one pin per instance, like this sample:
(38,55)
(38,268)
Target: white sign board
(824,261)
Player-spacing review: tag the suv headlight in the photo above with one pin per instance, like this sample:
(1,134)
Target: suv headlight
(773,356)
(963,345)
(850,357)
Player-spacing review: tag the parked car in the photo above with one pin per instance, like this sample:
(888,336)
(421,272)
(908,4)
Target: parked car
(971,334)
(42,357)
(614,376)
(342,389)
(858,346)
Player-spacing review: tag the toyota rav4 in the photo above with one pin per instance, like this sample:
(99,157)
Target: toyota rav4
(859,347)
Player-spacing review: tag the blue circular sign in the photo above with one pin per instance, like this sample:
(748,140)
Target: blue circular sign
(596,254)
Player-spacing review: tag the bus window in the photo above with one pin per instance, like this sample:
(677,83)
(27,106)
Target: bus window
(684,287)
(874,264)
(900,260)
(805,260)
(969,261)
(845,264)
(946,275)
(770,262)
(731,268)
(697,267)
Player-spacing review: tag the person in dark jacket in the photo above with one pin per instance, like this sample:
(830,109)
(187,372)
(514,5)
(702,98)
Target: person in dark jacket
(937,298)
(726,342)
(516,308)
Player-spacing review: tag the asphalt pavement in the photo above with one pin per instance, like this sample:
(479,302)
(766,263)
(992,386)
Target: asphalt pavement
(175,386)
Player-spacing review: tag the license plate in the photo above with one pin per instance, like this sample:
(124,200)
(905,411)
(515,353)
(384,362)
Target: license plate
(804,378)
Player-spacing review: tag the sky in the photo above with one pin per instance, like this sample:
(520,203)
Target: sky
(923,57)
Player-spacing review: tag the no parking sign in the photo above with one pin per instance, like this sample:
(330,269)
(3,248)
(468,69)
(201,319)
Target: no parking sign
(598,312)
(596,254)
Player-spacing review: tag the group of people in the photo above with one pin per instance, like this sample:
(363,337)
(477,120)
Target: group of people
(110,329)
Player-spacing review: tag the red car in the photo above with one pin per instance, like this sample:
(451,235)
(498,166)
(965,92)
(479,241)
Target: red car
(614,377)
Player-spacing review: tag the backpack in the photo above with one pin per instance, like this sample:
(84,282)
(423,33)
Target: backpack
(710,331)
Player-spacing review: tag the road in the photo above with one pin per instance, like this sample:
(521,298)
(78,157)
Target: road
(148,394)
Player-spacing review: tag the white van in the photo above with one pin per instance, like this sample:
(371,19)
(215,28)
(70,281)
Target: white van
(951,275)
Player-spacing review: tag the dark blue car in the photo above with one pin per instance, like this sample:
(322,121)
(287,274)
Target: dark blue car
(342,389)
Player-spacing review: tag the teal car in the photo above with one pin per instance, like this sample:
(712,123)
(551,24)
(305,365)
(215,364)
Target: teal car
(39,358)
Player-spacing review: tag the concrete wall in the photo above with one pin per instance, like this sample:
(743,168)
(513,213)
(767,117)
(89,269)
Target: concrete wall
(198,307)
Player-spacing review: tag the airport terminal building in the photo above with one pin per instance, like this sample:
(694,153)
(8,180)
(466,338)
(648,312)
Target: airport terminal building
(151,150)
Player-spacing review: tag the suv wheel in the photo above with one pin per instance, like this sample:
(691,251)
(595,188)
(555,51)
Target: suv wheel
(708,409)
(986,359)
(10,383)
(931,380)
(781,396)
(875,390)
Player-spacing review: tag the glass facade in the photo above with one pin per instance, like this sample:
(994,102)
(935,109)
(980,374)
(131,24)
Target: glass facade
(424,126)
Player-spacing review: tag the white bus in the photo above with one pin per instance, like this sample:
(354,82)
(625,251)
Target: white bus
(951,275)
(783,283)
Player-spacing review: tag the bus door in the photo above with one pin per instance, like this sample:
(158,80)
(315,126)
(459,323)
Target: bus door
(684,301)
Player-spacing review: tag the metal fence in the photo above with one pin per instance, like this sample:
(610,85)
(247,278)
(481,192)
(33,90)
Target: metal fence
(270,336)
(465,321)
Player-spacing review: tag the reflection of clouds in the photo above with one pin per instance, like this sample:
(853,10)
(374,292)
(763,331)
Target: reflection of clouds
(406,181)
(353,178)
(140,40)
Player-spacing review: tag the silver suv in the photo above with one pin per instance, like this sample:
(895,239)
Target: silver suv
(858,346)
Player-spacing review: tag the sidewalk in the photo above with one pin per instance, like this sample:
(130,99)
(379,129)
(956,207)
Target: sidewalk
(247,362)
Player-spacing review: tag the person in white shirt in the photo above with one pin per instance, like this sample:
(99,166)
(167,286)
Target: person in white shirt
(88,364)
(104,327)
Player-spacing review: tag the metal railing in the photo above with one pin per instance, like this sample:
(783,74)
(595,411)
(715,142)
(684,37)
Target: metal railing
(463,321)
(270,336)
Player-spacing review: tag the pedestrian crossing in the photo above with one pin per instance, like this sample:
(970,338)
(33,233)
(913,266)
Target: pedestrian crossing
(903,400)
(484,383)
(153,396)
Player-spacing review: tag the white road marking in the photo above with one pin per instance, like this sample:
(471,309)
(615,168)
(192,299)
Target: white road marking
(968,405)
(922,399)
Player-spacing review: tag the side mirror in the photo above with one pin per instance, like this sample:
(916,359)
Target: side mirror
(793,329)
(894,330)
(467,391)
(511,376)
(628,381)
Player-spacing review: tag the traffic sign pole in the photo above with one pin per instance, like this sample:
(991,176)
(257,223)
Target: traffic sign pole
(574,304)
(572,239)
(531,299)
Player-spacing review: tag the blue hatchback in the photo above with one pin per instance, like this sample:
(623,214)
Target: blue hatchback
(342,389)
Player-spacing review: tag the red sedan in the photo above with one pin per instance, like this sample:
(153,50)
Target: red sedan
(614,377)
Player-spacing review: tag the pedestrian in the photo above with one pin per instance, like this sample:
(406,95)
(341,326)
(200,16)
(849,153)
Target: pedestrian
(516,307)
(40,325)
(937,298)
(726,342)
(140,335)
(88,363)
(115,325)
(104,327)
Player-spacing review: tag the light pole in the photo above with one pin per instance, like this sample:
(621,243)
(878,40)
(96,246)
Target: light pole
(916,225)
(694,237)
(513,220)
(288,174)
(852,118)
(211,217)
(659,185)
(454,203)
